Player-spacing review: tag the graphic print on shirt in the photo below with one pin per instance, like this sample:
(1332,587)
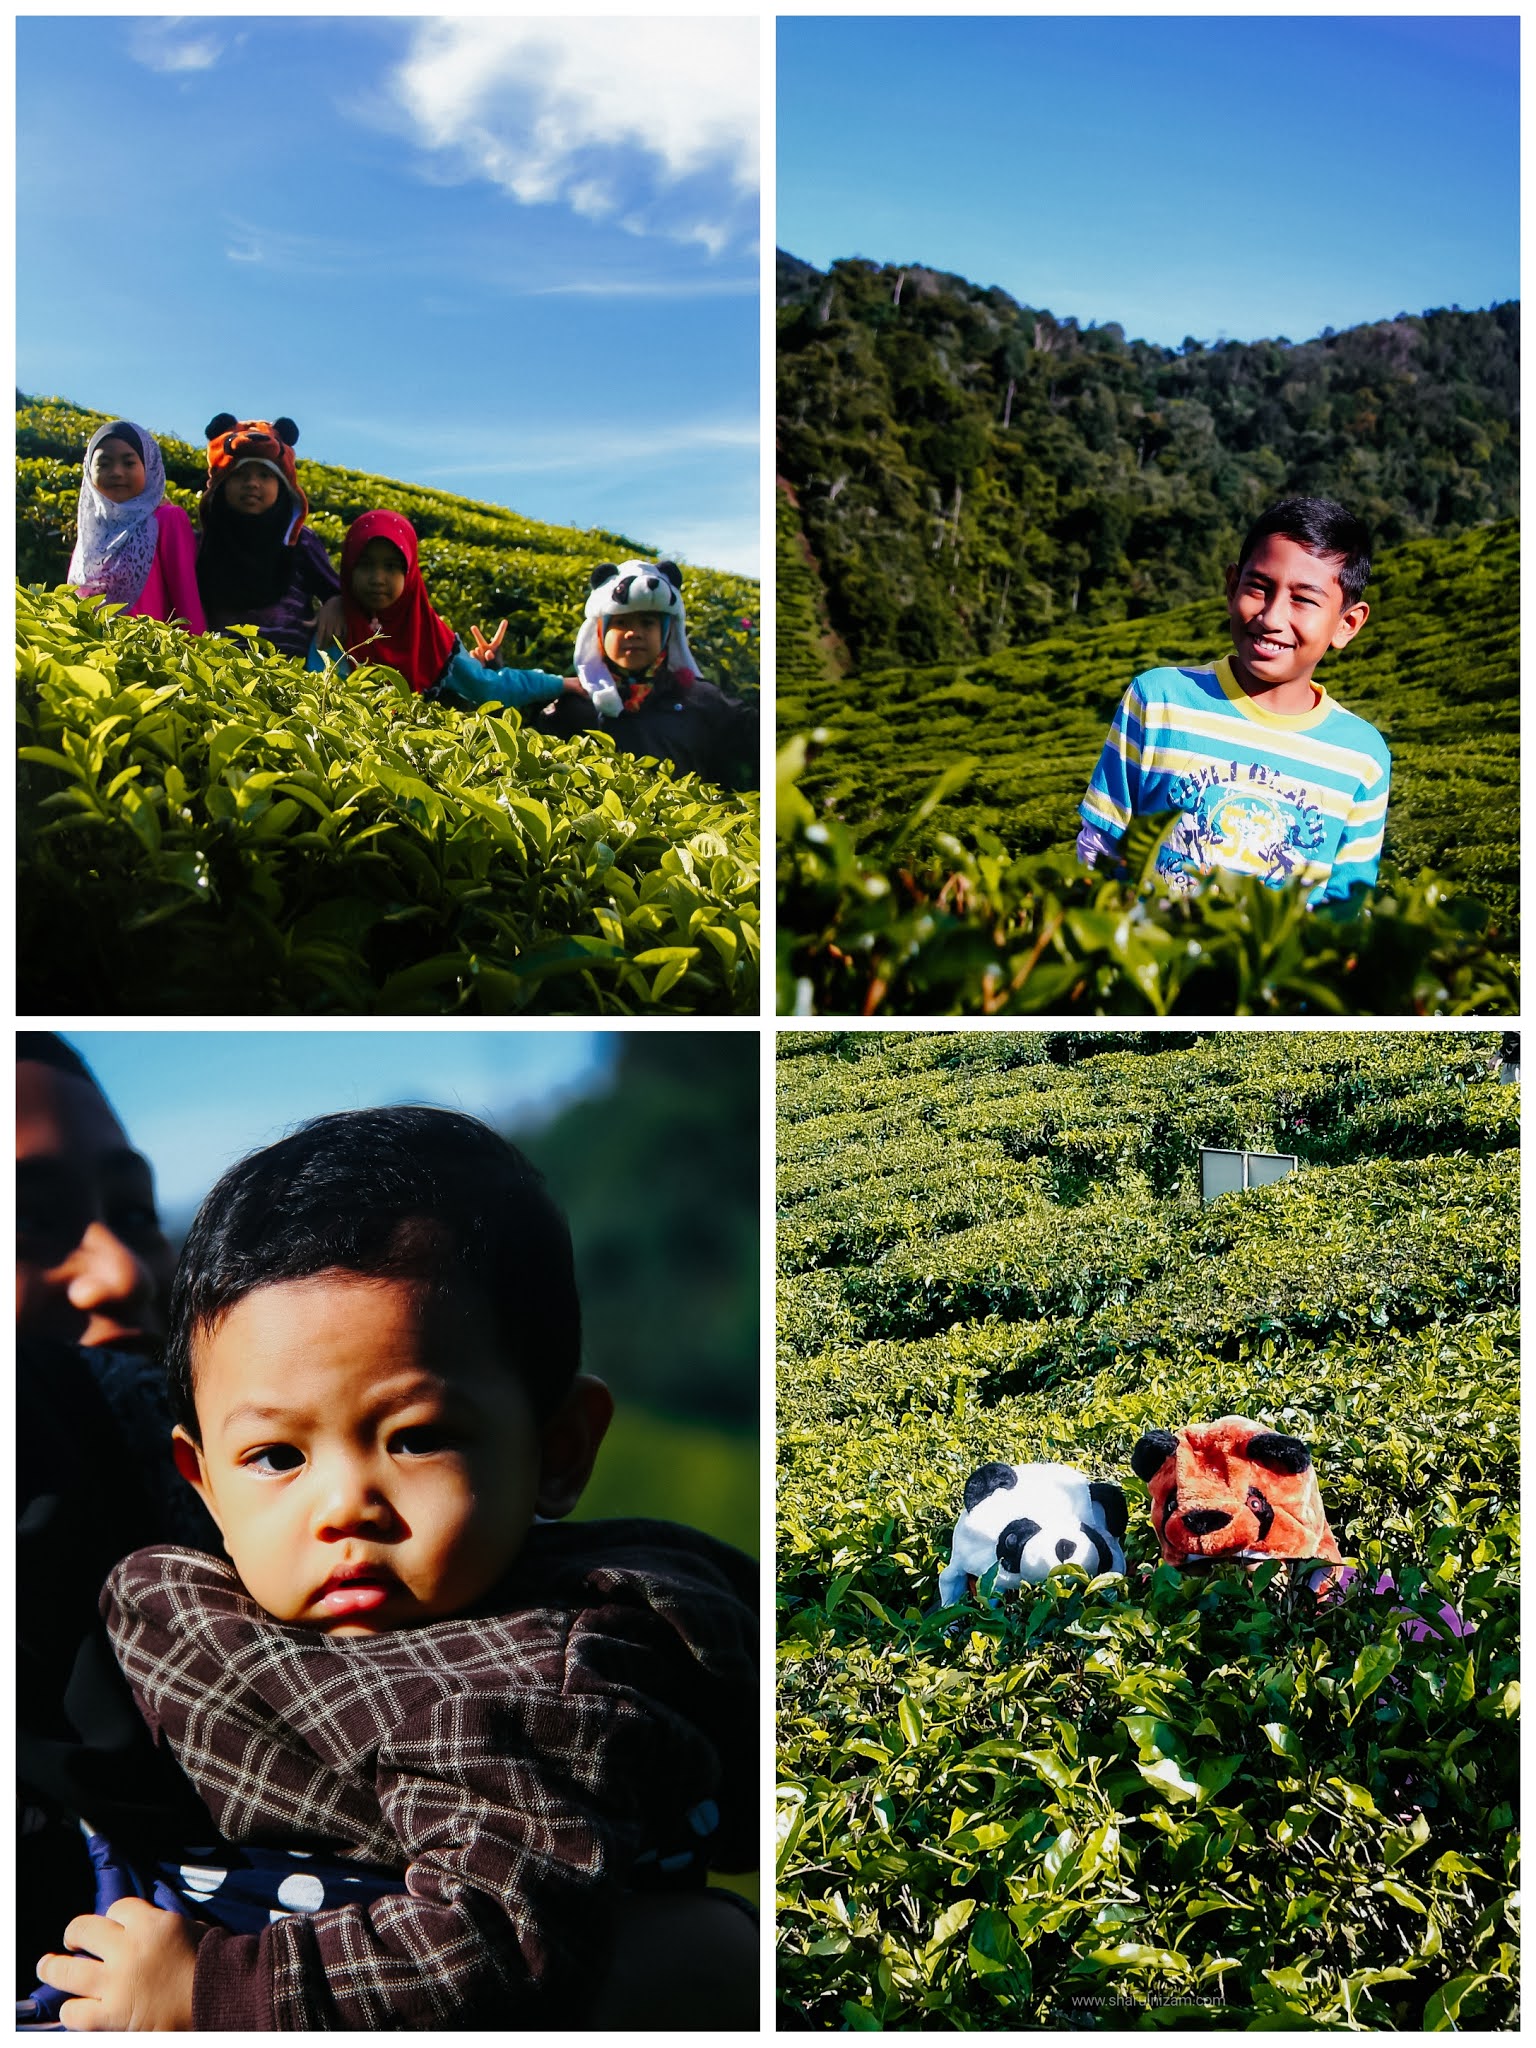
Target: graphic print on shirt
(1253,820)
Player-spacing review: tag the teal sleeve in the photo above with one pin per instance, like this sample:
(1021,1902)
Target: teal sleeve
(471,682)
(340,664)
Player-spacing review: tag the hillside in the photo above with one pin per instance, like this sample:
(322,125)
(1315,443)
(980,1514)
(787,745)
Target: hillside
(205,831)
(481,563)
(972,474)
(1193,1796)
(1436,669)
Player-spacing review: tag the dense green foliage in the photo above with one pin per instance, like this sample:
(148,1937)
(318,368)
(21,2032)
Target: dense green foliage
(972,473)
(1169,1799)
(659,1177)
(807,653)
(689,1472)
(202,830)
(481,563)
(907,922)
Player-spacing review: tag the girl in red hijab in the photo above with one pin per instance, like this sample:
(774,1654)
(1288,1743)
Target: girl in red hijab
(384,616)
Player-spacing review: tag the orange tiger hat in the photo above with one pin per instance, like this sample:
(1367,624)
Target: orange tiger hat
(232,441)
(1232,1490)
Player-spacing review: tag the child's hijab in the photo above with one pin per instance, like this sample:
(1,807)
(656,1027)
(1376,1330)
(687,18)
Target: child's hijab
(115,548)
(407,635)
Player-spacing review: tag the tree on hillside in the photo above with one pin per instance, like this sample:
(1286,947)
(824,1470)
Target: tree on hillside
(972,473)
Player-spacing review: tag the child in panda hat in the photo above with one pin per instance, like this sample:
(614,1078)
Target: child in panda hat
(641,685)
(633,626)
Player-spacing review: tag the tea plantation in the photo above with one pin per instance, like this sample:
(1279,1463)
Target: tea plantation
(203,830)
(1162,1800)
(986,762)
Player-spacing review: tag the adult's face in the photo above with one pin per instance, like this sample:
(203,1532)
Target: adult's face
(92,1263)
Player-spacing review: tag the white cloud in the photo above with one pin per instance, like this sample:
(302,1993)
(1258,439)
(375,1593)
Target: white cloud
(168,44)
(295,255)
(652,123)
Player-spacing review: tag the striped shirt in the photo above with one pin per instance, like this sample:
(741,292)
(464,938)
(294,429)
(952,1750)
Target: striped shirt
(1289,797)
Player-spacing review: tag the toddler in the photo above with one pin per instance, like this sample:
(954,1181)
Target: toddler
(405,1665)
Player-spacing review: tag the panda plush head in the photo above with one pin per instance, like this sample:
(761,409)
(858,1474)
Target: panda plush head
(618,587)
(635,587)
(1232,1491)
(1026,1520)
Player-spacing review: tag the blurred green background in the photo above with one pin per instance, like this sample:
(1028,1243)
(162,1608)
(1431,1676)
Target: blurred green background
(659,1177)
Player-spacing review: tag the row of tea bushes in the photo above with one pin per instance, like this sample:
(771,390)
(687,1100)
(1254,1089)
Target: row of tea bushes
(1165,1800)
(901,922)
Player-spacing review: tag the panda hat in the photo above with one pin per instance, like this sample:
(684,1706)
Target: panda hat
(1026,1520)
(631,587)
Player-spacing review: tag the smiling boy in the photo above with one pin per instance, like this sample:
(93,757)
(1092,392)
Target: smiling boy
(1269,775)
(373,1356)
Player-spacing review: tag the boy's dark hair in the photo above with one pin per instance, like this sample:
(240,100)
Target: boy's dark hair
(408,1194)
(1323,527)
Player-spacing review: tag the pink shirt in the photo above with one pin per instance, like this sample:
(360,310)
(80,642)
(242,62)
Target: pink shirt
(170,589)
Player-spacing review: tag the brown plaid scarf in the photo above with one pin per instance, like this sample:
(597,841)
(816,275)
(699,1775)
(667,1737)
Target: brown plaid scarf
(512,1763)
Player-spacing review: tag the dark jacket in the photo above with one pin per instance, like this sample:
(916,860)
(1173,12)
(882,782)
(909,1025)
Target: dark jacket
(88,1488)
(517,1762)
(700,730)
(290,623)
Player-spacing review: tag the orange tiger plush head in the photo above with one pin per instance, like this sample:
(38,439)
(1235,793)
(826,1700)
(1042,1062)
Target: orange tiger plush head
(269,442)
(1232,1491)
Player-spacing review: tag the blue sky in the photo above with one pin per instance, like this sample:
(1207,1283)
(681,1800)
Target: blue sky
(512,258)
(1206,176)
(194,1102)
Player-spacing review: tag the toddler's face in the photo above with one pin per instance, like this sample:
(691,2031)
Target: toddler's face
(370,1459)
(378,575)
(632,640)
(117,471)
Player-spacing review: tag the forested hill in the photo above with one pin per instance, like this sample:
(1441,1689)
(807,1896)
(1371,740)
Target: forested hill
(968,474)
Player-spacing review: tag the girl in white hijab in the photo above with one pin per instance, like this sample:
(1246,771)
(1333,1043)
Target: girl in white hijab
(133,549)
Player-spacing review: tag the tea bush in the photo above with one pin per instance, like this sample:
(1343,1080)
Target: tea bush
(203,830)
(1167,1800)
(870,925)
